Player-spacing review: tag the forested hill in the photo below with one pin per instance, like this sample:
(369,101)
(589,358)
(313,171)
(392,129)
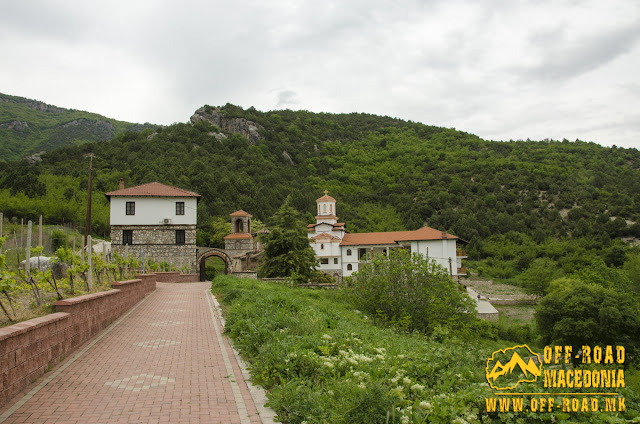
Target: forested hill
(386,174)
(30,126)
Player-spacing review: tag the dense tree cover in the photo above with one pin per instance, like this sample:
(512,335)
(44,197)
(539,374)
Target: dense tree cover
(513,201)
(287,252)
(29,126)
(580,314)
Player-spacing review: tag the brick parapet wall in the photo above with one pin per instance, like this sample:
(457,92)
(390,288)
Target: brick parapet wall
(176,277)
(30,348)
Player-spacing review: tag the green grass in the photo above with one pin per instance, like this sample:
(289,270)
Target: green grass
(321,361)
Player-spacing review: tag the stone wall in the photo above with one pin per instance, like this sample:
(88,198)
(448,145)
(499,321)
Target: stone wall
(30,348)
(238,247)
(158,243)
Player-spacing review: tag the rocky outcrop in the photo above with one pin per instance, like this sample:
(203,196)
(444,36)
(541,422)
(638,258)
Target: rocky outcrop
(102,130)
(287,157)
(217,117)
(17,126)
(34,157)
(33,104)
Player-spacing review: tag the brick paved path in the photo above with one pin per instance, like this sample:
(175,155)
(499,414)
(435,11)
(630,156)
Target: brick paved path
(163,362)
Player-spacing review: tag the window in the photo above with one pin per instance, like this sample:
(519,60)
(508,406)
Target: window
(349,267)
(348,252)
(321,246)
(131,208)
(179,208)
(127,237)
(335,261)
(362,254)
(179,236)
(324,261)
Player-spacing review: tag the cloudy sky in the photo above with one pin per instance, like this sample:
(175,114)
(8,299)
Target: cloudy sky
(501,69)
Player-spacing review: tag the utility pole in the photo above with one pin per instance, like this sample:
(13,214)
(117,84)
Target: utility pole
(87,225)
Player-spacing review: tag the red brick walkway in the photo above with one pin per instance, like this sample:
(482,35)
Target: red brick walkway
(163,362)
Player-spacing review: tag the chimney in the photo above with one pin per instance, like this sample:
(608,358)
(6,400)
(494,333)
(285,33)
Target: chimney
(444,235)
(121,183)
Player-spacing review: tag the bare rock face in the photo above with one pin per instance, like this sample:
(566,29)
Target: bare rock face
(34,157)
(241,126)
(287,157)
(18,126)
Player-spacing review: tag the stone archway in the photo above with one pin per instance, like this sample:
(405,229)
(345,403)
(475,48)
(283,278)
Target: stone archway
(204,253)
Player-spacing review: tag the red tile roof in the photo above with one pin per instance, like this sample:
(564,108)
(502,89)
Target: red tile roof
(154,189)
(241,213)
(325,198)
(324,236)
(326,217)
(424,233)
(239,236)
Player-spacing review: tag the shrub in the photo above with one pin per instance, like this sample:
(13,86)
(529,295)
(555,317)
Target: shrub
(410,292)
(58,239)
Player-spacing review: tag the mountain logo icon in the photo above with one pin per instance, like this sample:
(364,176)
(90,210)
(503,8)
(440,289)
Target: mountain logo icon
(521,365)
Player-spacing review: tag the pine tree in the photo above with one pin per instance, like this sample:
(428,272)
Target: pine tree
(287,252)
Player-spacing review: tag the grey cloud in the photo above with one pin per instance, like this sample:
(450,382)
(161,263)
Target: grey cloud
(287,97)
(562,58)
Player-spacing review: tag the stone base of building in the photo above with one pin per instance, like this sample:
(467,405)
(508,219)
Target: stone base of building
(158,243)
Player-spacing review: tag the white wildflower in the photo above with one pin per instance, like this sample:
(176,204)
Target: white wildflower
(425,405)
(404,419)
(326,337)
(362,386)
(380,350)
(417,388)
(459,420)
(406,381)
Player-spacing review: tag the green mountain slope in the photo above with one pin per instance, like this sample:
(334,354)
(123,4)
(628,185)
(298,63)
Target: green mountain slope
(514,201)
(29,126)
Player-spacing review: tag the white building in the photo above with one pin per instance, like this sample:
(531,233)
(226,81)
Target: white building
(154,220)
(326,235)
(340,253)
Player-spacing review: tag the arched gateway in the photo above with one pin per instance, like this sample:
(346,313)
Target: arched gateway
(207,252)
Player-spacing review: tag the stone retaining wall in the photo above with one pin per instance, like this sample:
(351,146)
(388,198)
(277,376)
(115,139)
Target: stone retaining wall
(488,317)
(520,300)
(30,348)
(246,274)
